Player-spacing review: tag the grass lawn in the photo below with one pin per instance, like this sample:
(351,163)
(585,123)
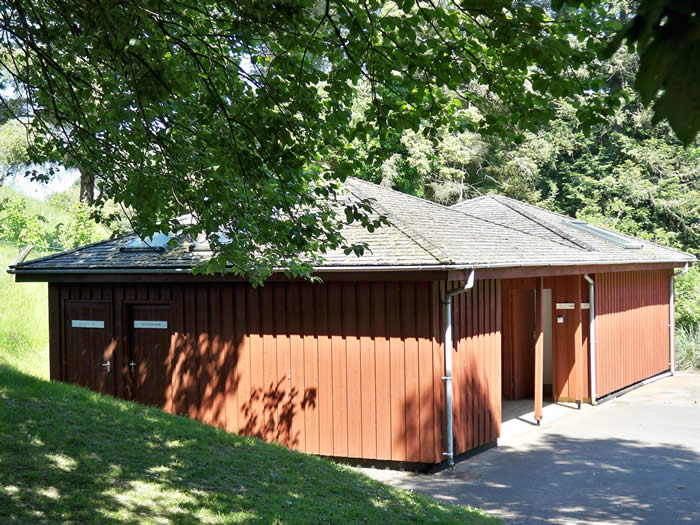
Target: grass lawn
(70,455)
(24,319)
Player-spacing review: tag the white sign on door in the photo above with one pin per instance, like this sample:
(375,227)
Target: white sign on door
(80,323)
(150,324)
(566,306)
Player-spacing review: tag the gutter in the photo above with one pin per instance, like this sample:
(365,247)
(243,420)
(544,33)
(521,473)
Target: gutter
(591,336)
(672,317)
(323,269)
(468,284)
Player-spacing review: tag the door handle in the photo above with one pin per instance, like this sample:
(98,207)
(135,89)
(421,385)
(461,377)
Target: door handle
(107,366)
(132,365)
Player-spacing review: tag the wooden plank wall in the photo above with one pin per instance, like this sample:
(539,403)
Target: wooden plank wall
(632,334)
(476,364)
(346,369)
(566,372)
(508,358)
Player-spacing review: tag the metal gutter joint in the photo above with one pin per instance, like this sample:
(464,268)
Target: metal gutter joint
(468,285)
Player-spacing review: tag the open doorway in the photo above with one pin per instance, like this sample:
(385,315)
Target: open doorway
(518,349)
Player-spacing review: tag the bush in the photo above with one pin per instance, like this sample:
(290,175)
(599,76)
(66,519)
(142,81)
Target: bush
(688,348)
(17,225)
(688,299)
(80,230)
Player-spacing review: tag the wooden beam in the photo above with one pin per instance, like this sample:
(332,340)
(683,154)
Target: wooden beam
(521,272)
(539,349)
(189,278)
(578,344)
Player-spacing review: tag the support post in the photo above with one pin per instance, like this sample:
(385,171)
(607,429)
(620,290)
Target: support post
(578,344)
(539,349)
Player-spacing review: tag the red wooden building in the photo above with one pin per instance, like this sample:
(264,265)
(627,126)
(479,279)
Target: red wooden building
(539,305)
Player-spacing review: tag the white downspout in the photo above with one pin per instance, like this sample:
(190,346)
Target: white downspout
(468,284)
(672,316)
(591,335)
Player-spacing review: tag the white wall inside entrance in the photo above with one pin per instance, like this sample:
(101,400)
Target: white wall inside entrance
(547,328)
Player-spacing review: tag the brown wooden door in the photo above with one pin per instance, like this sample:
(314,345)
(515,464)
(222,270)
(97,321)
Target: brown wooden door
(150,330)
(89,347)
(523,343)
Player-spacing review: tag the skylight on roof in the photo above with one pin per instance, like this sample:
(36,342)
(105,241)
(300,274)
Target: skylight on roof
(625,242)
(203,245)
(158,241)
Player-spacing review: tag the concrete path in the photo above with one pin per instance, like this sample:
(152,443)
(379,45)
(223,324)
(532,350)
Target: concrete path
(635,459)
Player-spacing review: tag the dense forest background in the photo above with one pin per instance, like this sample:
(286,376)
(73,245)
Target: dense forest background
(626,174)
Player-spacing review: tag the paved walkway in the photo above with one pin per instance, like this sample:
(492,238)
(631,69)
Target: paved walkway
(635,459)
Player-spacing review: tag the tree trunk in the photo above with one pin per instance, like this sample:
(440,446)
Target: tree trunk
(87,186)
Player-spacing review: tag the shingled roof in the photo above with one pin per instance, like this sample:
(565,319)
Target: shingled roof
(490,231)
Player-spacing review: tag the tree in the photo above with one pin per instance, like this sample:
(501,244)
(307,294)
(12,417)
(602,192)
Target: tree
(241,115)
(13,148)
(665,34)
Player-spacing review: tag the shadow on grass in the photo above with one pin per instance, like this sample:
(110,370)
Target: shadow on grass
(68,454)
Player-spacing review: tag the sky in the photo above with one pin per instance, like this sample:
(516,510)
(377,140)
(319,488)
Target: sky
(60,181)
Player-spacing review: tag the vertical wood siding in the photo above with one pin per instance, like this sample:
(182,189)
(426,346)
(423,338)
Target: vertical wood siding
(570,370)
(632,334)
(476,358)
(343,369)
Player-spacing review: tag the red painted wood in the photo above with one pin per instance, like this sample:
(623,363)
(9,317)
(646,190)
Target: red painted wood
(383,372)
(325,372)
(86,349)
(230,351)
(241,376)
(309,403)
(539,350)
(368,370)
(632,312)
(425,372)
(523,327)
(55,350)
(370,350)
(339,367)
(353,370)
(397,372)
(292,415)
(204,374)
(410,341)
(271,395)
(217,357)
(150,351)
(253,406)
(282,380)
(436,330)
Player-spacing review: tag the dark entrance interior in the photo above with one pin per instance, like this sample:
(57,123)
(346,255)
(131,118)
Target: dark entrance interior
(149,352)
(518,346)
(523,346)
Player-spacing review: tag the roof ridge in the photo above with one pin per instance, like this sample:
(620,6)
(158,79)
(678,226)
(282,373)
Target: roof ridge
(434,251)
(454,209)
(507,226)
(466,201)
(567,218)
(542,223)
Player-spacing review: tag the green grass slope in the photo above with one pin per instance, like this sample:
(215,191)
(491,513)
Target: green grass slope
(24,332)
(70,455)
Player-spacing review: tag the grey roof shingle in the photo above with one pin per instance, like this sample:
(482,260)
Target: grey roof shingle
(483,232)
